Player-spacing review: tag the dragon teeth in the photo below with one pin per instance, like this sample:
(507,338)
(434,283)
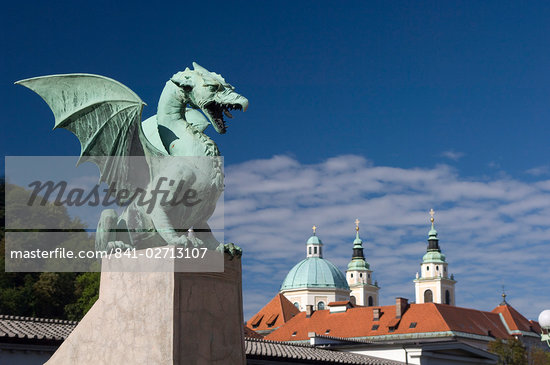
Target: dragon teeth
(227,113)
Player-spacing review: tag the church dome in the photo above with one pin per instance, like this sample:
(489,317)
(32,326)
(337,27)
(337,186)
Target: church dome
(315,272)
(314,240)
(433,256)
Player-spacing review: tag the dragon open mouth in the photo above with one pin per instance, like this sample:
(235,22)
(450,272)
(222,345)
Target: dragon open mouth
(216,111)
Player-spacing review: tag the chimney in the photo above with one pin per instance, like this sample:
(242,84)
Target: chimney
(376,314)
(309,310)
(401,305)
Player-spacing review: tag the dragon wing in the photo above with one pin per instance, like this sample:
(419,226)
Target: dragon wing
(105,115)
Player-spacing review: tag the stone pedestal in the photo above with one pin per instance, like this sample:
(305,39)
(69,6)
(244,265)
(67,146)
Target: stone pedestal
(161,318)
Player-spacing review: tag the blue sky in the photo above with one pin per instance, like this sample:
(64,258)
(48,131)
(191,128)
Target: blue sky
(391,108)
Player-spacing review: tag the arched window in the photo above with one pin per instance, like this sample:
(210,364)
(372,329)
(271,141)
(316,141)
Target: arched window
(371,301)
(351,274)
(437,267)
(321,305)
(352,300)
(427,268)
(428,296)
(297,305)
(447,297)
(360,275)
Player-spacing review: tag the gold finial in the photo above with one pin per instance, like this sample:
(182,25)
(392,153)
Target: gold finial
(314,229)
(357,221)
(432,212)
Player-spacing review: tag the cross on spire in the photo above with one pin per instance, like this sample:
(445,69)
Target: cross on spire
(357,221)
(314,229)
(432,212)
(503,297)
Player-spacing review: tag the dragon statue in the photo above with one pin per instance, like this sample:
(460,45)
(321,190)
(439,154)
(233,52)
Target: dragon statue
(170,146)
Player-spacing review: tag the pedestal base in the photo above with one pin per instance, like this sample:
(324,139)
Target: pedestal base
(161,318)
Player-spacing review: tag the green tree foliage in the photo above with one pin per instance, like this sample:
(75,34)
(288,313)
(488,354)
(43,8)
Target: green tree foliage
(537,356)
(86,293)
(53,291)
(510,352)
(64,295)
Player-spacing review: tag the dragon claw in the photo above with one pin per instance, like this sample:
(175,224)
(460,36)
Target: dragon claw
(233,250)
(114,245)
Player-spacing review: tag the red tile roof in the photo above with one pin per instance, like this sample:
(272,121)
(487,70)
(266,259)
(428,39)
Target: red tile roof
(250,333)
(514,319)
(274,314)
(359,322)
(342,302)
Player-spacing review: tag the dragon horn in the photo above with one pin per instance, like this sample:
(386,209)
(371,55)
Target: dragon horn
(198,67)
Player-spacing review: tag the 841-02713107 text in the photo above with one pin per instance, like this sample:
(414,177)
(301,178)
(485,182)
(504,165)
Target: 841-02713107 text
(164,252)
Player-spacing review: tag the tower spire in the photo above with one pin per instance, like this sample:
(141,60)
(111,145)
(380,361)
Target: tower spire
(433,241)
(359,275)
(357,221)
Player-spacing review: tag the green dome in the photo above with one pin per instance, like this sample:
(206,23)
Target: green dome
(314,240)
(314,272)
(433,256)
(360,265)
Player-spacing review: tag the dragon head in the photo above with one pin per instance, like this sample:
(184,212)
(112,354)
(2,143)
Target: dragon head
(209,92)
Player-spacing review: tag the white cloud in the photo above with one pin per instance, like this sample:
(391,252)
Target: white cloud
(539,171)
(452,155)
(493,232)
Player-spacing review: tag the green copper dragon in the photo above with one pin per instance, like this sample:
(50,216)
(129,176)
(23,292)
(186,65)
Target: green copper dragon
(105,115)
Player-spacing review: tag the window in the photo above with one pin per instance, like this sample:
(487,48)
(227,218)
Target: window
(294,333)
(309,250)
(321,305)
(297,305)
(375,327)
(437,267)
(351,275)
(361,275)
(314,250)
(428,296)
(256,321)
(427,268)
(369,276)
(412,325)
(370,301)
(352,299)
(327,332)
(391,329)
(447,297)
(271,320)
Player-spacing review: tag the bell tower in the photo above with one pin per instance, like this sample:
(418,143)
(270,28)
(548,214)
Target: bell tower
(359,275)
(433,284)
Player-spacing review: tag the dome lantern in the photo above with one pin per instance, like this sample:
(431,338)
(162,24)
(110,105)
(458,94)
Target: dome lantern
(314,246)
